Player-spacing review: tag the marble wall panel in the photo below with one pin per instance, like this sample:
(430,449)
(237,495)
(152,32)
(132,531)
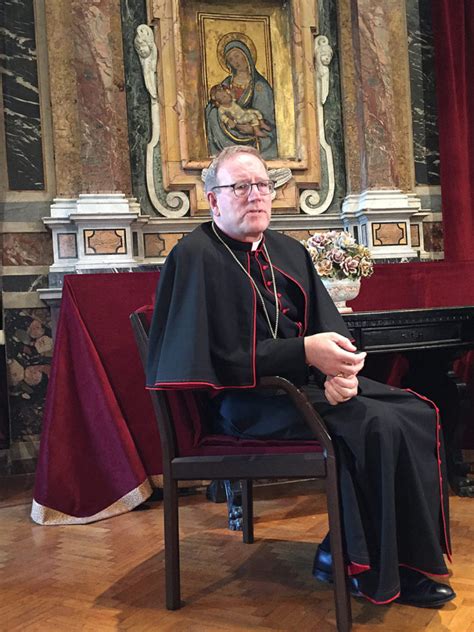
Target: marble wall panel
(105,242)
(27,249)
(24,282)
(88,97)
(29,349)
(67,246)
(31,212)
(385,93)
(415,235)
(160,244)
(154,245)
(21,103)
(376,99)
(97,34)
(389,234)
(349,52)
(423,91)
(433,236)
(63,88)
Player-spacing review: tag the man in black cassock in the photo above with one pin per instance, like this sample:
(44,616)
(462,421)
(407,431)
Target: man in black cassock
(237,301)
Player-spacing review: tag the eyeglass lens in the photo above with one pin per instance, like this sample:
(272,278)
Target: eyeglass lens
(243,188)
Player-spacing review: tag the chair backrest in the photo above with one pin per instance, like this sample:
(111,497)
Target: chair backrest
(180,413)
(177,412)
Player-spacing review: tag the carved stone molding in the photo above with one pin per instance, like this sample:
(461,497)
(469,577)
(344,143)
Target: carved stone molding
(381,219)
(92,232)
(315,202)
(177,201)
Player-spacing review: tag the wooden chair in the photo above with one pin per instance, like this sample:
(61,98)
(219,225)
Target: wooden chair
(189,454)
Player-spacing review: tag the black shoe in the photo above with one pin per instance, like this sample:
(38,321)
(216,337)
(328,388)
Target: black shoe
(416,589)
(322,570)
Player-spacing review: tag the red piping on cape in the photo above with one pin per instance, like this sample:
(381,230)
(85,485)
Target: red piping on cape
(182,385)
(170,385)
(438,445)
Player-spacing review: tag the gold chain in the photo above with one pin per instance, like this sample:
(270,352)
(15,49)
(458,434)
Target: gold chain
(274,331)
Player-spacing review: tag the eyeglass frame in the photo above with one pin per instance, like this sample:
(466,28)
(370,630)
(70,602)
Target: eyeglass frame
(269,183)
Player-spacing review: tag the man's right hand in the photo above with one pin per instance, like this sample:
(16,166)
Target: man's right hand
(333,354)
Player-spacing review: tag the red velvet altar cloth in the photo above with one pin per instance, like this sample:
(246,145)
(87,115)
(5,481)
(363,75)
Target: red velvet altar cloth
(98,449)
(99,446)
(422,285)
(417,285)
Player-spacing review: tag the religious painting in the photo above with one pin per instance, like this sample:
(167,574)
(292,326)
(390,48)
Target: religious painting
(241,106)
(239,89)
(232,73)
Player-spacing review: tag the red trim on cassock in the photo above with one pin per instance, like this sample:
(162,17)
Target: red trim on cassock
(305,296)
(438,454)
(353,568)
(413,568)
(380,603)
(254,342)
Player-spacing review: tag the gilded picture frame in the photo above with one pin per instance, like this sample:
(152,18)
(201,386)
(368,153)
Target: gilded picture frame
(199,44)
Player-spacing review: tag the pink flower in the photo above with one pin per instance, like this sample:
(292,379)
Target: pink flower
(350,266)
(324,267)
(336,255)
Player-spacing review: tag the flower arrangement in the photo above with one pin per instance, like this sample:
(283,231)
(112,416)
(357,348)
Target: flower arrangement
(336,255)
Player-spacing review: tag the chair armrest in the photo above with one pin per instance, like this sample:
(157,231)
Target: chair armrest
(312,418)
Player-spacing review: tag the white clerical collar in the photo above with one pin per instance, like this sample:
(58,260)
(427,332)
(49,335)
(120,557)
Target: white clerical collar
(255,244)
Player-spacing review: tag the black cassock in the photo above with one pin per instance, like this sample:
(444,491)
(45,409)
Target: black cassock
(209,330)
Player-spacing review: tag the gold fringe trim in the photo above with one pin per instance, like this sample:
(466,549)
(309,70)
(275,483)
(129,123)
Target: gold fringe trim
(46,516)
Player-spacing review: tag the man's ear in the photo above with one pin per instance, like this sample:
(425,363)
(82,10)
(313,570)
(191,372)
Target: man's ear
(212,199)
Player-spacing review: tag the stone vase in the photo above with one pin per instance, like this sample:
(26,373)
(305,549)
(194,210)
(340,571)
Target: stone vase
(341,291)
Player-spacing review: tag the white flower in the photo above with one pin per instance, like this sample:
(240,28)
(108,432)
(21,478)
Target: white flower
(336,254)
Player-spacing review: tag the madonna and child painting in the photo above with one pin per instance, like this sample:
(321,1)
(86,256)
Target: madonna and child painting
(241,108)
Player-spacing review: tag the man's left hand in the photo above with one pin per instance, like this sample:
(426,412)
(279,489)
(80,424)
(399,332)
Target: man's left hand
(339,388)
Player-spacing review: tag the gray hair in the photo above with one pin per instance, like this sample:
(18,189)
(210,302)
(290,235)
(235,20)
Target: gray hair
(227,153)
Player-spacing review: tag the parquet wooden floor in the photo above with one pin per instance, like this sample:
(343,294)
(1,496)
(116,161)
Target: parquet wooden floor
(109,575)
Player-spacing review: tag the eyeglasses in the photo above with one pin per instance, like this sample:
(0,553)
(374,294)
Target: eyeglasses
(242,189)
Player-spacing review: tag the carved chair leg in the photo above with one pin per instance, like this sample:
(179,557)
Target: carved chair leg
(171,517)
(247,511)
(341,592)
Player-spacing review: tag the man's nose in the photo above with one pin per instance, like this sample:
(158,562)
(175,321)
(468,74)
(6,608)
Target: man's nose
(254,191)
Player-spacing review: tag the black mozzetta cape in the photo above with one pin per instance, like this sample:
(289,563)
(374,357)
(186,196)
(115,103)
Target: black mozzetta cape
(203,332)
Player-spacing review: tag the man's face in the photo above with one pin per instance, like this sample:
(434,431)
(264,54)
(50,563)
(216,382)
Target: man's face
(242,218)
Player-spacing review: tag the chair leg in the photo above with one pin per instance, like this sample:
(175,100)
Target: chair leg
(171,519)
(247,511)
(341,592)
